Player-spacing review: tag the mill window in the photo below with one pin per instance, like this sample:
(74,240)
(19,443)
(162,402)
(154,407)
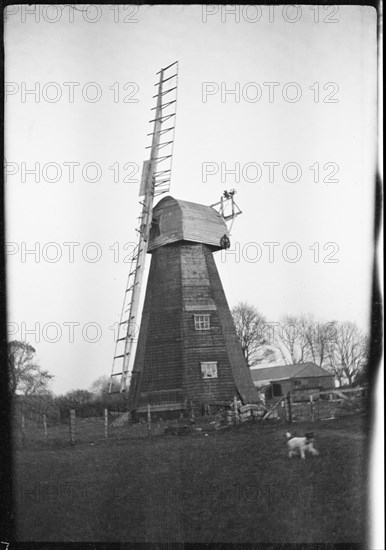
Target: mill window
(202,322)
(209,370)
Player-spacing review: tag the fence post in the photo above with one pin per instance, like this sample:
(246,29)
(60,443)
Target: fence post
(45,427)
(288,407)
(192,419)
(72,426)
(148,419)
(106,423)
(237,419)
(312,407)
(23,427)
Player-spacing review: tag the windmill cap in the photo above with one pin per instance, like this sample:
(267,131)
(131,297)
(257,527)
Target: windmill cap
(175,220)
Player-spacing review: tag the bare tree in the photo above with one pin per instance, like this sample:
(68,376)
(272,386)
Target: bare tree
(301,339)
(251,331)
(291,341)
(348,353)
(25,375)
(318,336)
(339,347)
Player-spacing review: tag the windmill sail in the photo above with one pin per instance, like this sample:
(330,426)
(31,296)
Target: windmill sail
(155,180)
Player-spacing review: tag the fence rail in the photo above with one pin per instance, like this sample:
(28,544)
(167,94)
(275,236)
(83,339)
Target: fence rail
(328,405)
(72,427)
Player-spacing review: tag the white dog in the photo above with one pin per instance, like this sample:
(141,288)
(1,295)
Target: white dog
(299,445)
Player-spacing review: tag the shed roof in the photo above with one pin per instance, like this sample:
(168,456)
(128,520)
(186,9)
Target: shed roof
(188,221)
(285,372)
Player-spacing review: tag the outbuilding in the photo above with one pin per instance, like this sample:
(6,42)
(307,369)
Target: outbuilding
(301,379)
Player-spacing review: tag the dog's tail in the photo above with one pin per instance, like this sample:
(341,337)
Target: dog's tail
(288,435)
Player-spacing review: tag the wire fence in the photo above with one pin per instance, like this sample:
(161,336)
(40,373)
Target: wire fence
(51,426)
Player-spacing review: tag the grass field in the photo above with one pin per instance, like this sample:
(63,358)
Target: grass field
(234,485)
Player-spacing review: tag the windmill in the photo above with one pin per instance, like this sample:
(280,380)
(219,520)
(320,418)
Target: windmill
(187,351)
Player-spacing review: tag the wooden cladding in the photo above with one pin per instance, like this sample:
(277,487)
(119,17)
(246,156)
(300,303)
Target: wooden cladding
(185,221)
(187,348)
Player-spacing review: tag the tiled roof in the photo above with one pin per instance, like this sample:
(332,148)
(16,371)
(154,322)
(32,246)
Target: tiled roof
(284,372)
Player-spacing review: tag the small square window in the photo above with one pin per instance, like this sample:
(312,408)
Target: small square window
(209,369)
(202,322)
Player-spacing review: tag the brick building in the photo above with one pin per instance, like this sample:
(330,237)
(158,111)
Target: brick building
(187,348)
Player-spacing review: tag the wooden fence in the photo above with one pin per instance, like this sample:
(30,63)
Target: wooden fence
(111,424)
(329,405)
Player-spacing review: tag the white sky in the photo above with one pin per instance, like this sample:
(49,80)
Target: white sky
(107,132)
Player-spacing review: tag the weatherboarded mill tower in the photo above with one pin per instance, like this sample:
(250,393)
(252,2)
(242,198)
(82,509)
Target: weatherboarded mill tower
(187,349)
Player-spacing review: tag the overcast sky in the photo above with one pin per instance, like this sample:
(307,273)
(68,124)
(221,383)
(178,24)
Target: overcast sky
(298,129)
